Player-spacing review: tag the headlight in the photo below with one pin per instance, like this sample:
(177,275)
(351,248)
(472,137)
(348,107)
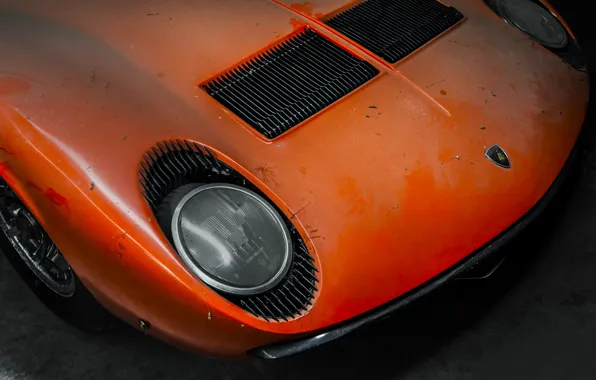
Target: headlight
(534,20)
(231,238)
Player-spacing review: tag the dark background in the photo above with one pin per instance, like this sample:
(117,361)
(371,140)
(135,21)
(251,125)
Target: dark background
(535,319)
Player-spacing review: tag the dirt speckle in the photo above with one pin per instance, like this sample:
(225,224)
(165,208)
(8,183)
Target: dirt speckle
(91,186)
(300,210)
(304,7)
(443,92)
(266,173)
(434,83)
(459,43)
(483,127)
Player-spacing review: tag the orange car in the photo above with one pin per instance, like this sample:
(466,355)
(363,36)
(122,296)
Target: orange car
(265,176)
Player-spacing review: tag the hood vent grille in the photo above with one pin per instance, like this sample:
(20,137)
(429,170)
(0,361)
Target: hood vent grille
(394,29)
(290,82)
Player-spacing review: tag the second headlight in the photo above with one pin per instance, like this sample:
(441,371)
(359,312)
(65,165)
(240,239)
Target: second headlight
(534,20)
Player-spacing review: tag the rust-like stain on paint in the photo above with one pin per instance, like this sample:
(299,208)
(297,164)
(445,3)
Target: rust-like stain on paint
(56,199)
(296,24)
(304,8)
(34,186)
(356,200)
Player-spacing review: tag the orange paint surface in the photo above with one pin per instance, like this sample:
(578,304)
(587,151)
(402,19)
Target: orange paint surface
(296,24)
(12,85)
(355,200)
(388,201)
(3,149)
(305,7)
(55,198)
(4,167)
(34,186)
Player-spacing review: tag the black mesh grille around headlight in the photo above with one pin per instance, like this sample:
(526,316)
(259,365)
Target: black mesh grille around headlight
(172,164)
(393,29)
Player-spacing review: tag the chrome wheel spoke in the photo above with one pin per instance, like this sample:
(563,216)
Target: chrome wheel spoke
(12,232)
(56,258)
(33,245)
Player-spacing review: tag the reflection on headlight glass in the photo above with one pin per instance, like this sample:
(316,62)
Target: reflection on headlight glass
(233,237)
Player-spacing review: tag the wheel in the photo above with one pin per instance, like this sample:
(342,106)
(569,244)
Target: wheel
(42,266)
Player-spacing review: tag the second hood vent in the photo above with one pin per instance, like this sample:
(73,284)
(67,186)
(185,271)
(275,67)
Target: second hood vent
(394,29)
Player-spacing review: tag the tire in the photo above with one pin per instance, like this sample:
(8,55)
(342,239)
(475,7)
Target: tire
(79,308)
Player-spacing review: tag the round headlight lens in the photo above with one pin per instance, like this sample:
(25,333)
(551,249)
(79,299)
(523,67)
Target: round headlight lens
(535,21)
(232,239)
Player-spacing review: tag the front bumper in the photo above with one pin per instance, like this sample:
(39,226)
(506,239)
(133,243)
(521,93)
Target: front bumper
(490,253)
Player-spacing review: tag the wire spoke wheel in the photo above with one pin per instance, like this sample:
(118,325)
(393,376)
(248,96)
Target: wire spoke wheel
(33,245)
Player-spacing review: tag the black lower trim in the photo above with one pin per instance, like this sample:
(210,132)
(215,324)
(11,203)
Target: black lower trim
(490,250)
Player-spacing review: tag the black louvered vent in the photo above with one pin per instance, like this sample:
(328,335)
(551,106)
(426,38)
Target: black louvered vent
(290,82)
(172,164)
(392,29)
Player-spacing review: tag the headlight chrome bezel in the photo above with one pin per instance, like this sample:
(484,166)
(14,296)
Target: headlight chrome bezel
(209,279)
